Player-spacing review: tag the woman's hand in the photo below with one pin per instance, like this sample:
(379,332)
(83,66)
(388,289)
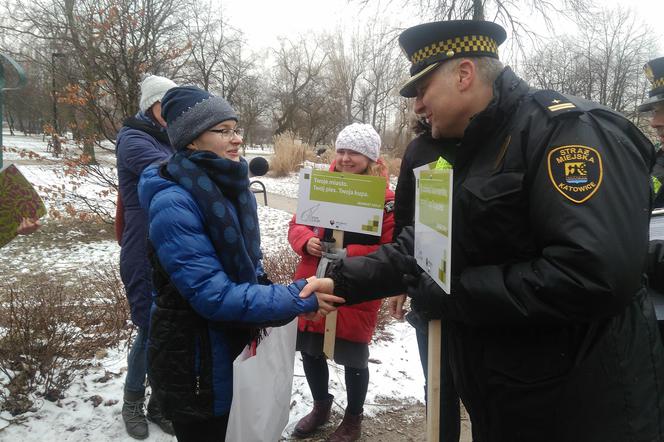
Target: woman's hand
(322,288)
(395,305)
(314,247)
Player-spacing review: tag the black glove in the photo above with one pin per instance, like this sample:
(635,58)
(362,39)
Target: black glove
(426,297)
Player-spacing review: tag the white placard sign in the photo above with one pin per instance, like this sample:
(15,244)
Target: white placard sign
(341,201)
(433,221)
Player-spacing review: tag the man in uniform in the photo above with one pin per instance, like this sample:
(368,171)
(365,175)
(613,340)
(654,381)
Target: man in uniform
(654,105)
(550,332)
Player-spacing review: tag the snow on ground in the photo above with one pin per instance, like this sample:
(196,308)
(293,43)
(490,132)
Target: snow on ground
(18,147)
(92,406)
(286,186)
(60,254)
(395,377)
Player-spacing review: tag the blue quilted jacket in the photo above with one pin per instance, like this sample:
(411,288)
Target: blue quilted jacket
(194,341)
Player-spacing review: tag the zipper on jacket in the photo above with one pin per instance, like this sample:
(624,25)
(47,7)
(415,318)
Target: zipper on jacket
(197,365)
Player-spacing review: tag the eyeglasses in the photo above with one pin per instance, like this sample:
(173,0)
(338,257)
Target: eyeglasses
(228,133)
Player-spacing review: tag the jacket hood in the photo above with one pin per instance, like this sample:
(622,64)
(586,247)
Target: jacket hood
(150,184)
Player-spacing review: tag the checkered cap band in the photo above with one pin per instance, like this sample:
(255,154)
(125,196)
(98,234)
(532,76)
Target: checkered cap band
(659,82)
(459,45)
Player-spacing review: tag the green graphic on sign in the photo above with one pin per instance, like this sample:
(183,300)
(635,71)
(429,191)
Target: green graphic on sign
(372,225)
(435,199)
(348,189)
(442,270)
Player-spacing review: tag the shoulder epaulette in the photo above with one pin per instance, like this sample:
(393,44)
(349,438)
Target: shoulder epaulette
(556,104)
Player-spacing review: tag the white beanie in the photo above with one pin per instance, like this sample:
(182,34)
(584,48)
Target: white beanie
(361,138)
(153,88)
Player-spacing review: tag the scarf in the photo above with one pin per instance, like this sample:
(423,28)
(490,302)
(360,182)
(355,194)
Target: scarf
(220,187)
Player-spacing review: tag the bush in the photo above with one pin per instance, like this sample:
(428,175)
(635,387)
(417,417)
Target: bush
(280,267)
(50,330)
(289,154)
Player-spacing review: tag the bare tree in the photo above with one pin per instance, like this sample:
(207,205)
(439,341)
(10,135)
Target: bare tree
(516,15)
(346,65)
(603,63)
(299,65)
(251,100)
(103,48)
(208,39)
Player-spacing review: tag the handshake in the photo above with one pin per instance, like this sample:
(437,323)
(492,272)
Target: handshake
(427,298)
(322,288)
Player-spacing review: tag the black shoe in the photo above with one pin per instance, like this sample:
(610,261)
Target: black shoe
(154,415)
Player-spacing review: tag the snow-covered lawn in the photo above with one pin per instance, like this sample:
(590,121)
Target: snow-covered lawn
(92,405)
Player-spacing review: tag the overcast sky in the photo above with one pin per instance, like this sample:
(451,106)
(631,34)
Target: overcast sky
(263,21)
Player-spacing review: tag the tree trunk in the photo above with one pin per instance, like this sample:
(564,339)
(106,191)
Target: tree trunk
(478,10)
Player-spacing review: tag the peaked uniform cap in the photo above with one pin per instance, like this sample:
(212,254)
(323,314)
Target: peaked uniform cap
(654,71)
(429,44)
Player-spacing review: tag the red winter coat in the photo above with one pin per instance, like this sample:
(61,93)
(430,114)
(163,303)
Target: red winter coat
(355,323)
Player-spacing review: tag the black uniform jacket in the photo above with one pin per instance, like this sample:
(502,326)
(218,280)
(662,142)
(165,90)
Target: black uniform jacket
(551,334)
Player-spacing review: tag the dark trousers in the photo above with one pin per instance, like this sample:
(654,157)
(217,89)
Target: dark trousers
(317,373)
(450,414)
(211,430)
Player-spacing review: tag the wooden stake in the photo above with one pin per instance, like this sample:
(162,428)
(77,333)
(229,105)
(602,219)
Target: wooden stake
(331,319)
(433,381)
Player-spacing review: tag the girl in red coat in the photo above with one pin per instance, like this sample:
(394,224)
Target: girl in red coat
(357,150)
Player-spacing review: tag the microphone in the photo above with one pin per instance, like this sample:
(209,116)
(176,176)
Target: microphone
(258,166)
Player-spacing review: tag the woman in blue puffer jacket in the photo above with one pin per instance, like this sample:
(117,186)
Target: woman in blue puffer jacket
(212,296)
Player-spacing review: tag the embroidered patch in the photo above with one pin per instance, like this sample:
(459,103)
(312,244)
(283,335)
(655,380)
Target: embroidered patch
(575,171)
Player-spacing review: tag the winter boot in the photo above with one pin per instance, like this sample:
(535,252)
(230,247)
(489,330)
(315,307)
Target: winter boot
(133,415)
(318,416)
(349,430)
(154,415)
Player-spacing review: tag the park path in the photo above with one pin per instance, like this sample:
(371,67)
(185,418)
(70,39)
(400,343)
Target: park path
(276,201)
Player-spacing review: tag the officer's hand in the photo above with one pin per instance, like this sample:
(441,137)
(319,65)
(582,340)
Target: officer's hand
(426,296)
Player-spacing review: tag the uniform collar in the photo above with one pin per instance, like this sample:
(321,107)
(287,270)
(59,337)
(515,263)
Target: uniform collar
(508,90)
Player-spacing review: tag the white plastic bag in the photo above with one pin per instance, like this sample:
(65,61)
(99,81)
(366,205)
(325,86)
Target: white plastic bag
(262,388)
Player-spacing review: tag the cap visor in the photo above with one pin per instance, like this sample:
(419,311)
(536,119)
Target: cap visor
(650,103)
(408,88)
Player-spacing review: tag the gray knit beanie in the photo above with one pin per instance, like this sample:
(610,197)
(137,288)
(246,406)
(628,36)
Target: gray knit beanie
(189,111)
(361,138)
(153,88)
